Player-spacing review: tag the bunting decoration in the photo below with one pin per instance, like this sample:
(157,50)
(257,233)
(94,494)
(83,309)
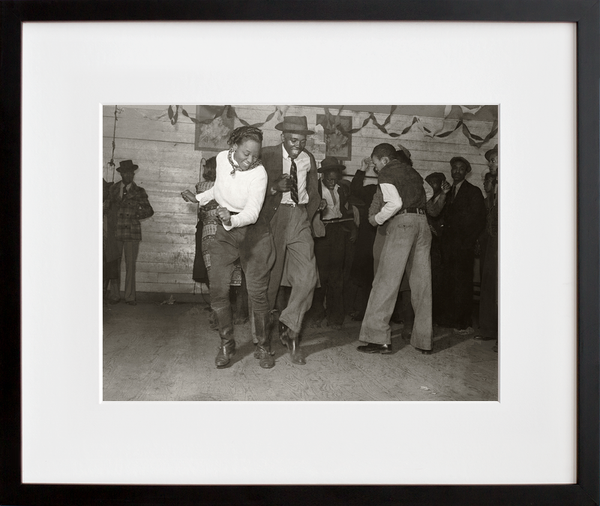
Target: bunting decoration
(474,140)
(332,122)
(227,110)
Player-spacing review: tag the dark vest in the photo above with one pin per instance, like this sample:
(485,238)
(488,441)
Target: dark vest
(407,181)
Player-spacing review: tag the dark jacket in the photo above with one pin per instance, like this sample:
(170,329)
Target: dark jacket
(272,159)
(124,214)
(464,217)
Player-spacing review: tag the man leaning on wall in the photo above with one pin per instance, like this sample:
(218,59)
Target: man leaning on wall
(125,206)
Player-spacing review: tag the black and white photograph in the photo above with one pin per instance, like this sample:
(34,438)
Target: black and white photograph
(300,252)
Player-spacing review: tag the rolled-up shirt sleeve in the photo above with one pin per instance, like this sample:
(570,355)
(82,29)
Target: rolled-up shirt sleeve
(392,203)
(256,196)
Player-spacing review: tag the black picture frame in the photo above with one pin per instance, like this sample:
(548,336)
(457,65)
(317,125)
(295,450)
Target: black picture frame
(585,13)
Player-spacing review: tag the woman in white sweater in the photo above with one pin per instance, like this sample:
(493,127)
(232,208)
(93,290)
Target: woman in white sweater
(239,190)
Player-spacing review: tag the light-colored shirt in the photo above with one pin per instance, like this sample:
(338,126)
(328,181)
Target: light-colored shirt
(393,201)
(241,192)
(122,187)
(302,168)
(332,211)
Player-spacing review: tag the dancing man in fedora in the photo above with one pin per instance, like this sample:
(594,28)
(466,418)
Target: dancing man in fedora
(125,206)
(291,203)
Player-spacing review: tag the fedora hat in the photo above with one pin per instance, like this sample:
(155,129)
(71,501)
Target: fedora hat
(294,124)
(331,163)
(461,159)
(490,152)
(126,166)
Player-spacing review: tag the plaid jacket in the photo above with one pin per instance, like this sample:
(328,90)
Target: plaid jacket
(124,215)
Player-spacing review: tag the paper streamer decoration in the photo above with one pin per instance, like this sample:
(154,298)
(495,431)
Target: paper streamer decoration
(330,121)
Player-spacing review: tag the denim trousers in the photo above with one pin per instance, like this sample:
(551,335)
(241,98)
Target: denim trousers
(407,247)
(254,248)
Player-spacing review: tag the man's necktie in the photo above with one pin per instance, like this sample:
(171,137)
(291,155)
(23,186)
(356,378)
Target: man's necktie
(294,178)
(124,191)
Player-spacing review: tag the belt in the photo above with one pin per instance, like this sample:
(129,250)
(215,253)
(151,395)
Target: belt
(337,220)
(290,205)
(412,210)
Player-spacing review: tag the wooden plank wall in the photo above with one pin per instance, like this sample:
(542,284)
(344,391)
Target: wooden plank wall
(168,164)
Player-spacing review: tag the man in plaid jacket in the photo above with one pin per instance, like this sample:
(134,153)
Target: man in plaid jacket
(125,206)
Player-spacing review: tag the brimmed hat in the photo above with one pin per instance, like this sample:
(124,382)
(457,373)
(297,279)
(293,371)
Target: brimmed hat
(463,160)
(406,151)
(294,124)
(490,152)
(331,163)
(126,166)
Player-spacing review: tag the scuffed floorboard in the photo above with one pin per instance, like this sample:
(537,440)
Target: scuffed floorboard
(154,352)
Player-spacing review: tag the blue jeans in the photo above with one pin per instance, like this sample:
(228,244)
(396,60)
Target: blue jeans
(407,247)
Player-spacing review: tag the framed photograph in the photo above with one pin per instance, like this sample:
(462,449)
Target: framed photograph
(213,127)
(61,443)
(437,140)
(336,134)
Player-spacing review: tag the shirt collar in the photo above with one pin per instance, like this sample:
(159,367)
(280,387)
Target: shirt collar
(286,155)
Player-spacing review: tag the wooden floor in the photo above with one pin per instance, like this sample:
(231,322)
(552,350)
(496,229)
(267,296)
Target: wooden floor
(166,352)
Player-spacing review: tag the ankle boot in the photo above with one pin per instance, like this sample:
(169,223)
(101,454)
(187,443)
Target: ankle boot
(263,325)
(227,347)
(226,351)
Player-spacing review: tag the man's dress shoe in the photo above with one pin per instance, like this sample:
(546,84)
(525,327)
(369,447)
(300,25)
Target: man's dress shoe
(384,349)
